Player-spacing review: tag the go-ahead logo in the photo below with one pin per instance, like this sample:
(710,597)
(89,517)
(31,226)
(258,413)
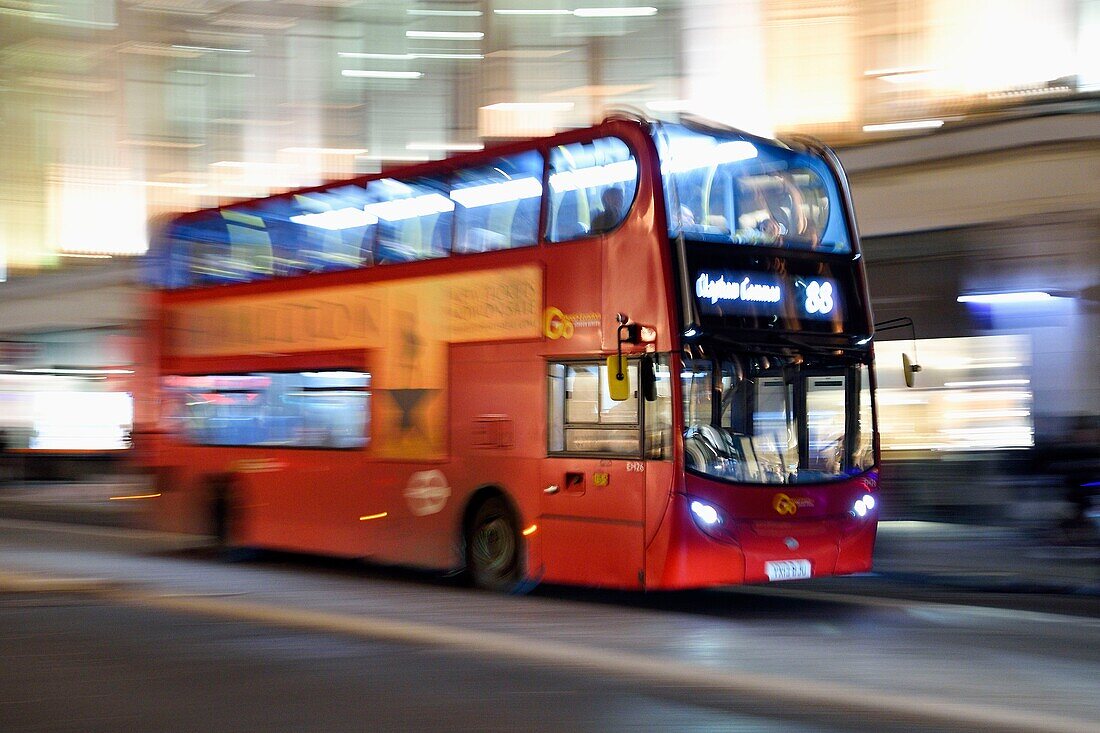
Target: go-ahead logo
(787,506)
(559,325)
(784,504)
(556,325)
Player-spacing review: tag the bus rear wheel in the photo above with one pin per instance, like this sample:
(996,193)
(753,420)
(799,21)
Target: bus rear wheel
(225,517)
(493,556)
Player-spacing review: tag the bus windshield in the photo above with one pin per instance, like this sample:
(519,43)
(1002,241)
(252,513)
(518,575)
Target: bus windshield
(729,187)
(777,419)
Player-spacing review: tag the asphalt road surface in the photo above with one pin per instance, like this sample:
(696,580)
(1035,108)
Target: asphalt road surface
(106,629)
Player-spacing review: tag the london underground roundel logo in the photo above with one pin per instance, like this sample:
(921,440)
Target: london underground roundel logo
(427,492)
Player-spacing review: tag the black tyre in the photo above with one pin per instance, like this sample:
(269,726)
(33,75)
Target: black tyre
(493,549)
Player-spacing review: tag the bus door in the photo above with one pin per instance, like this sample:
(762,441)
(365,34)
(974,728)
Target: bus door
(592,519)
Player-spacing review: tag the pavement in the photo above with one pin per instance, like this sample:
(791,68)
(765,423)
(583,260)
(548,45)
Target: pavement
(1005,557)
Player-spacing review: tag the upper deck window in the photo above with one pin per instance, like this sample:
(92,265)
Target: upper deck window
(592,186)
(723,187)
(497,205)
(479,208)
(414,219)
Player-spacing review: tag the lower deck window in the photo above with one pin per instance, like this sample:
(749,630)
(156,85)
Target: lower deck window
(327,409)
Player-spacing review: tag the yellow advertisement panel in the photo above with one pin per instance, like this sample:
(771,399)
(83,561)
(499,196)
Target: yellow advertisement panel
(407,322)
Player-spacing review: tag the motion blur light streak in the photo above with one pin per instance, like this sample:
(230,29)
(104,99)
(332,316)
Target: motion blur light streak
(49,370)
(594,177)
(1026,296)
(241,75)
(532,11)
(531,106)
(385,56)
(377,74)
(402,158)
(455,55)
(325,151)
(369,517)
(498,193)
(445,13)
(904,126)
(628,12)
(348,218)
(213,49)
(448,35)
(604,12)
(401,209)
(703,153)
(444,146)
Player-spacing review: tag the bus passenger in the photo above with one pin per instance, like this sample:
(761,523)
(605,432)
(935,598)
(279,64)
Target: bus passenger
(612,213)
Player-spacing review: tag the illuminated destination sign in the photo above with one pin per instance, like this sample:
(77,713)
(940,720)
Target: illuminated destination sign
(728,293)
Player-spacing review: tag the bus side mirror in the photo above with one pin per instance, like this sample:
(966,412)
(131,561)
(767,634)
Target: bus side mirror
(647,376)
(909,369)
(618,380)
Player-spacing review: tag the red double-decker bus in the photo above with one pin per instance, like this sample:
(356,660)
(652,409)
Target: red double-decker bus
(635,356)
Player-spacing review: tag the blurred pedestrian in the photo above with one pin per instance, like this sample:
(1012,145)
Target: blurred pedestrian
(1075,459)
(1080,467)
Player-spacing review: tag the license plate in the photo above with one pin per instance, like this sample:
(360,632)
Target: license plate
(787,569)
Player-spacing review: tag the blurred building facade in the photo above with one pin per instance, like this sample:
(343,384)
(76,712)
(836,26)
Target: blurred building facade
(965,126)
(988,236)
(136,107)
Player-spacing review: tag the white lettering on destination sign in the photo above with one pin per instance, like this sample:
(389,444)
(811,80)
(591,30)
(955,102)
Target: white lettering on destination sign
(819,297)
(744,290)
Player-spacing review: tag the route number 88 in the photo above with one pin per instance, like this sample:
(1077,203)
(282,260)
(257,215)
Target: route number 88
(819,297)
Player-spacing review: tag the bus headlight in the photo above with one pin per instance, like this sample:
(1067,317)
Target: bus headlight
(863,505)
(705,514)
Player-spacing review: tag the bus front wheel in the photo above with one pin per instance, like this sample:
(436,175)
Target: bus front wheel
(493,555)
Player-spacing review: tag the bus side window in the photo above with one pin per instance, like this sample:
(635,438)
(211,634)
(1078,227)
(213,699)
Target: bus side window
(327,409)
(415,219)
(592,187)
(249,256)
(330,231)
(497,205)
